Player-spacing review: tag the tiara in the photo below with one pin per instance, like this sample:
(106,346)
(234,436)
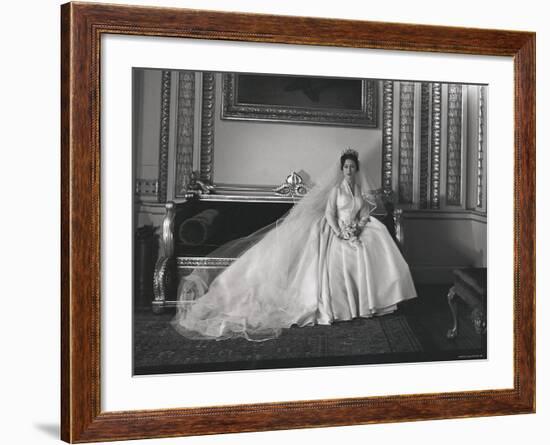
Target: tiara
(350,151)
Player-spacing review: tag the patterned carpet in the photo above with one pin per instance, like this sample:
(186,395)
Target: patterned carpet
(159,349)
(416,332)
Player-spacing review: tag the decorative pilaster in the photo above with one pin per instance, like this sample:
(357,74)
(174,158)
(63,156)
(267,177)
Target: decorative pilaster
(481,140)
(387,137)
(406,142)
(185,125)
(207,127)
(164,135)
(436,146)
(454,145)
(424,143)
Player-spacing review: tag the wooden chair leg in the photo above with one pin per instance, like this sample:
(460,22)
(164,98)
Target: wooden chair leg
(453,332)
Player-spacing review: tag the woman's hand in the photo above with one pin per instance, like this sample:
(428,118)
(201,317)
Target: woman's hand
(348,231)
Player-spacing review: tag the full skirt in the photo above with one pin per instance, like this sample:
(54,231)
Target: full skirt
(273,286)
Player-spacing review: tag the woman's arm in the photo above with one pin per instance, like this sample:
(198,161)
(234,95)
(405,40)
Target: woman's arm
(330,213)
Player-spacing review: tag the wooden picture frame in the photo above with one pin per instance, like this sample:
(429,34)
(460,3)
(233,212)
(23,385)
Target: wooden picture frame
(82,26)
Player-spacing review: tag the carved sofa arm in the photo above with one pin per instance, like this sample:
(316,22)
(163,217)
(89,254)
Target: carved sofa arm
(164,276)
(399,230)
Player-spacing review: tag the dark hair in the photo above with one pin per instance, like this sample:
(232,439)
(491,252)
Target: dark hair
(346,156)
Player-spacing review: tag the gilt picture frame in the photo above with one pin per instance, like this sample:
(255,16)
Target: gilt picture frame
(323,101)
(82,416)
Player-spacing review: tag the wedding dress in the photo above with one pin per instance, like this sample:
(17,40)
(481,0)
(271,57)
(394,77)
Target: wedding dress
(299,272)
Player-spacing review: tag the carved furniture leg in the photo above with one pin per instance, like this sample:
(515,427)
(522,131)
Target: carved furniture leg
(453,332)
(479,320)
(160,284)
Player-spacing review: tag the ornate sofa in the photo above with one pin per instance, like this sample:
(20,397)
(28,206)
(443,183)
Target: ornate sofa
(206,219)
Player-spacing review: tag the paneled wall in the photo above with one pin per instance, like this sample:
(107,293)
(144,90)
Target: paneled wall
(428,151)
(434,146)
(146,124)
(435,164)
(147,112)
(166,133)
(265,153)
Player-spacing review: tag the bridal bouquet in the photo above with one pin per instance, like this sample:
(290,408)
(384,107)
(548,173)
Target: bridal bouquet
(350,232)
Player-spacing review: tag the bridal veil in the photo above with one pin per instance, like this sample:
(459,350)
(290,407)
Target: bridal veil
(274,281)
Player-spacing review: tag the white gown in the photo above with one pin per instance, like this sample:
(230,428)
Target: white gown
(276,284)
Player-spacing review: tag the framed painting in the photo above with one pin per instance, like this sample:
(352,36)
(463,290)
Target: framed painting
(195,197)
(320,100)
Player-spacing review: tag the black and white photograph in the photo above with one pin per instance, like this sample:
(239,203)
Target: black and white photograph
(286,221)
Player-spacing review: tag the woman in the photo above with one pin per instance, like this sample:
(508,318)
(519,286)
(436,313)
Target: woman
(327,260)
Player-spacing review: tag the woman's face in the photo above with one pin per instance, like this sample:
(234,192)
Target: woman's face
(349,168)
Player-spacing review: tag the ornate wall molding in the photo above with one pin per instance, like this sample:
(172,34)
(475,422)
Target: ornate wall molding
(387,136)
(185,131)
(424,143)
(435,146)
(480,142)
(164,135)
(454,144)
(207,126)
(406,142)
(146,187)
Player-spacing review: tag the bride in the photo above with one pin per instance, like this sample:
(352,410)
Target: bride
(326,260)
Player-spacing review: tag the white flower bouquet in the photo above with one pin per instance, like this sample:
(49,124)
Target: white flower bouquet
(350,232)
